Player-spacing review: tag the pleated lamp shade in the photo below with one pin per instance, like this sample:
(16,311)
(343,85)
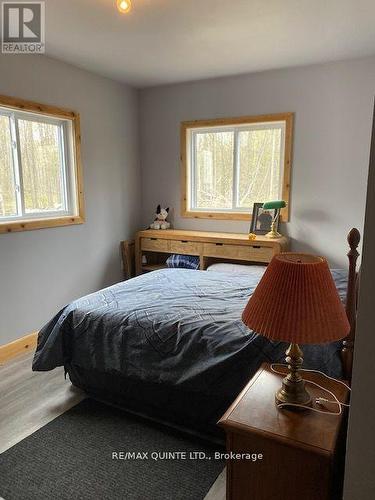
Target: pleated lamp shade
(297,301)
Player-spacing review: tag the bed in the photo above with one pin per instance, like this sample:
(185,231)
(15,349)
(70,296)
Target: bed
(170,345)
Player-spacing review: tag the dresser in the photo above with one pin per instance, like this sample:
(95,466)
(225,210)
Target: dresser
(210,247)
(302,452)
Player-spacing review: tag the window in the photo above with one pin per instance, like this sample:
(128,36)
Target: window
(40,173)
(228,165)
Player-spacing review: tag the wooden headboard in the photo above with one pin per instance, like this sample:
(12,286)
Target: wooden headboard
(354,239)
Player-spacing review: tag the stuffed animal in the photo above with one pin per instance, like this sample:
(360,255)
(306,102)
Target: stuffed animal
(160,219)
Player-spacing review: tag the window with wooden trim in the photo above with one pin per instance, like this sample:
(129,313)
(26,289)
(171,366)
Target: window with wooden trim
(230,164)
(40,168)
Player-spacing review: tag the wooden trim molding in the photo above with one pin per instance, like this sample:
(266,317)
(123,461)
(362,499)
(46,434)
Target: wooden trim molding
(288,118)
(14,103)
(43,109)
(17,347)
(239,120)
(29,225)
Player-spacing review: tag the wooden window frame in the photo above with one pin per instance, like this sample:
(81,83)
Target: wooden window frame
(15,104)
(186,211)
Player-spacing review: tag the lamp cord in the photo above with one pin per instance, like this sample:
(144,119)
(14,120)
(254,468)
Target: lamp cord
(335,400)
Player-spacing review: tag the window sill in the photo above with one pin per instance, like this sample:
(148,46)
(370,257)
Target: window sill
(284,216)
(217,215)
(31,224)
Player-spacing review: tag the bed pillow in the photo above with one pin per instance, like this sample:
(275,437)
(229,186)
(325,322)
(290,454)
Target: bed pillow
(237,268)
(183,261)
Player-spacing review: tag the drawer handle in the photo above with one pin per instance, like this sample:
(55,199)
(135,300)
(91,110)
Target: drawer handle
(219,244)
(184,241)
(255,246)
(154,239)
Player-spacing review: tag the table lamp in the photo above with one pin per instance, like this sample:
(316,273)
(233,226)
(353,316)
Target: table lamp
(297,302)
(277,206)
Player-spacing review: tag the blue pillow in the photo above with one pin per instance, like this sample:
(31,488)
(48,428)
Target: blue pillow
(184,261)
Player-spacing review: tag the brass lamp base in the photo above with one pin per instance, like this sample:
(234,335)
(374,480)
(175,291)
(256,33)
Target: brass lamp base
(293,389)
(273,233)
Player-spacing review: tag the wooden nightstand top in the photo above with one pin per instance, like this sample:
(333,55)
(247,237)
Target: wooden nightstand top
(206,236)
(254,411)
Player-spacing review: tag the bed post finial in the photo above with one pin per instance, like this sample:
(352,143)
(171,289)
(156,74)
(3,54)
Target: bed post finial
(354,239)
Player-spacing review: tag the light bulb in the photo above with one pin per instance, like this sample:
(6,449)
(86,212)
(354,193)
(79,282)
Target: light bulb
(124,6)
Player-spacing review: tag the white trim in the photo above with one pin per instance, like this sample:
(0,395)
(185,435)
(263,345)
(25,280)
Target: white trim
(13,154)
(18,164)
(236,169)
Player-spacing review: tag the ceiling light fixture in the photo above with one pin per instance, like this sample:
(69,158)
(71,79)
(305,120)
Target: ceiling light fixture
(124,6)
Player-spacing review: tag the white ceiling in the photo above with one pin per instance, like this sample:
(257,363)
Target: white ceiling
(165,41)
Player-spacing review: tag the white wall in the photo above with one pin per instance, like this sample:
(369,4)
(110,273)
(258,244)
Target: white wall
(332,105)
(42,270)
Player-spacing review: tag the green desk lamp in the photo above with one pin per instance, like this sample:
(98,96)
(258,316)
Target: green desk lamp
(277,206)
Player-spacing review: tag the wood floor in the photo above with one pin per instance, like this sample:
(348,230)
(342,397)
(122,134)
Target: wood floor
(29,400)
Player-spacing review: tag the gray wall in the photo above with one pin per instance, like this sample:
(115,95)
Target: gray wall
(333,104)
(360,473)
(42,270)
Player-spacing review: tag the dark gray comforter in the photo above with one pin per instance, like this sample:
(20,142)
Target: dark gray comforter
(174,327)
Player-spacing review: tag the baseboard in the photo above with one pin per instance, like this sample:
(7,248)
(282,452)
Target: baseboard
(17,347)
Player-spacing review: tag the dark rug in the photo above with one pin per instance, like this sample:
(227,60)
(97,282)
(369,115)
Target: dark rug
(73,458)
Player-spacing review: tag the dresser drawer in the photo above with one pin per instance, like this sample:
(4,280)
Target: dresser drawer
(238,252)
(154,245)
(185,247)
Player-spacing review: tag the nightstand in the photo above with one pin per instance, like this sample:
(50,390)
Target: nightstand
(302,452)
